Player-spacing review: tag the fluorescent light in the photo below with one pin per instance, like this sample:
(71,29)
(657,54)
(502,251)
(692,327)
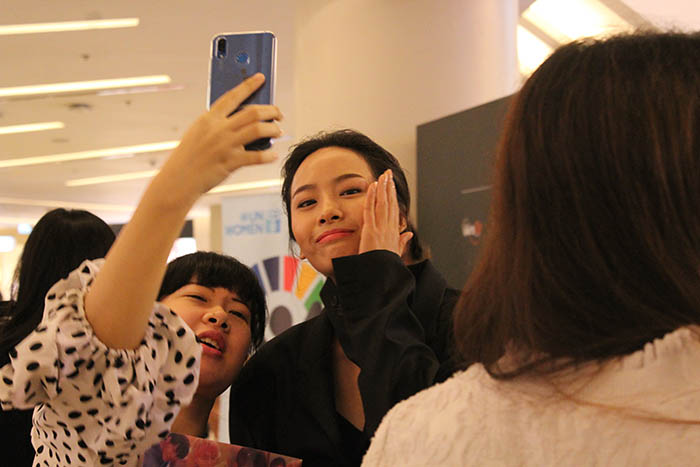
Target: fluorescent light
(182,246)
(271,183)
(567,20)
(7,243)
(65,204)
(24,228)
(140,90)
(56,88)
(94,154)
(26,128)
(532,51)
(111,178)
(11,29)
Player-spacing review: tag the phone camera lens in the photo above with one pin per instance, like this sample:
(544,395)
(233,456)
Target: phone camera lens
(221,47)
(242,58)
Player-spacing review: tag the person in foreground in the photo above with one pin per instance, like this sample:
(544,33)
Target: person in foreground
(107,368)
(585,305)
(222,301)
(319,390)
(58,243)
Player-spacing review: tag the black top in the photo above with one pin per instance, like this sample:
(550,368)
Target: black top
(15,425)
(392,321)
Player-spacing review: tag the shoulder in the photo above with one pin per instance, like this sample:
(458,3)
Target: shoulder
(434,426)
(443,398)
(286,348)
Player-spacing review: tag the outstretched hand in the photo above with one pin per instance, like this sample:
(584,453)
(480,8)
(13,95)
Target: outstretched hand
(210,150)
(213,146)
(382,218)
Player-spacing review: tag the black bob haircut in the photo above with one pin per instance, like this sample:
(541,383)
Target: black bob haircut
(216,270)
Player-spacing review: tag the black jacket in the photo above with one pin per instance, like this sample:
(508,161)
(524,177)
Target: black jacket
(15,425)
(394,322)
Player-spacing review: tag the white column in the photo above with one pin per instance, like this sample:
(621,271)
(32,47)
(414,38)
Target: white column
(385,66)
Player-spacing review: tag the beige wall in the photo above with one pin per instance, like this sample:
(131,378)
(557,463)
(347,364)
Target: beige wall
(385,66)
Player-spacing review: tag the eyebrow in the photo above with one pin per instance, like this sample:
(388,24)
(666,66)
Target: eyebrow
(337,179)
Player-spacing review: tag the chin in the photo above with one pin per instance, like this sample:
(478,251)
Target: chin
(213,389)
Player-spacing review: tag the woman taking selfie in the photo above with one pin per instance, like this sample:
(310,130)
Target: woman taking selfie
(107,368)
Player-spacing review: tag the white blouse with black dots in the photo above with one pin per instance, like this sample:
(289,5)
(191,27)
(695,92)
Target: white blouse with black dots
(96,405)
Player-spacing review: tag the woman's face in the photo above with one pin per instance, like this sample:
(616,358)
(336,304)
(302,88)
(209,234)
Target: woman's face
(221,322)
(327,202)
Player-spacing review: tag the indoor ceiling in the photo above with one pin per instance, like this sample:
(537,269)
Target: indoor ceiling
(172,39)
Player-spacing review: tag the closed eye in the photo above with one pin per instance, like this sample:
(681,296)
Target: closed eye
(197,297)
(306,203)
(239,314)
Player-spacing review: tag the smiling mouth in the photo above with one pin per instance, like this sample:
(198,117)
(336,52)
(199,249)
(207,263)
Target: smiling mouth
(333,235)
(209,343)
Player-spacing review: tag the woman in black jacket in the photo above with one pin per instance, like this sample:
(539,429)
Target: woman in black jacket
(319,390)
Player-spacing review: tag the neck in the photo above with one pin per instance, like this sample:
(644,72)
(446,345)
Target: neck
(192,419)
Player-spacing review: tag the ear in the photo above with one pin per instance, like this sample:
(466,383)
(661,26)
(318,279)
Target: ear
(403,224)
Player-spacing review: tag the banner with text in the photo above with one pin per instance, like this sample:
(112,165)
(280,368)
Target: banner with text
(255,232)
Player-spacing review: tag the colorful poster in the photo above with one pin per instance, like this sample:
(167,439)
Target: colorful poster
(255,232)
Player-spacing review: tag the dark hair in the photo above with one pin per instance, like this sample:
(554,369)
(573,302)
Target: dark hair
(181,443)
(59,242)
(378,159)
(594,243)
(415,251)
(216,270)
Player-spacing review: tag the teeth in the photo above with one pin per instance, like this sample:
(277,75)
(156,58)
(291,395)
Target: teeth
(209,342)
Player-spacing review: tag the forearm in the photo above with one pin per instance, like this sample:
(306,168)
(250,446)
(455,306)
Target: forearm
(380,333)
(120,301)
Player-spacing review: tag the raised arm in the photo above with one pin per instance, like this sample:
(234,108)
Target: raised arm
(120,301)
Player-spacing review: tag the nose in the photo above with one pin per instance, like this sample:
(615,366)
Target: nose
(331,212)
(217,317)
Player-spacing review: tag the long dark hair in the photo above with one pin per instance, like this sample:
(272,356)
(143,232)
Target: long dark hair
(59,242)
(594,243)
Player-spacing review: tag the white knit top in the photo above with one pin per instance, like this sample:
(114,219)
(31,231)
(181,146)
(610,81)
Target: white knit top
(473,419)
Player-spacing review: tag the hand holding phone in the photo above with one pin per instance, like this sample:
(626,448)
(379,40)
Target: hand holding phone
(237,56)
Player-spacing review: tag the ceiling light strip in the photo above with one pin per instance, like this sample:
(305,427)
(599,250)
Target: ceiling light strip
(29,127)
(627,14)
(574,19)
(270,183)
(66,204)
(34,28)
(93,154)
(112,178)
(56,88)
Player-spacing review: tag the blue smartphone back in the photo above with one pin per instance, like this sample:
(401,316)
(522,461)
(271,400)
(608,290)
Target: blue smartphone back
(236,56)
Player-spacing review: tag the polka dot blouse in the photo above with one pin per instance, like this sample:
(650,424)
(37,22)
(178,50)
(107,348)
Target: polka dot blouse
(96,405)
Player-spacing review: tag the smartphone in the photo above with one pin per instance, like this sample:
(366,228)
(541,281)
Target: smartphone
(235,57)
